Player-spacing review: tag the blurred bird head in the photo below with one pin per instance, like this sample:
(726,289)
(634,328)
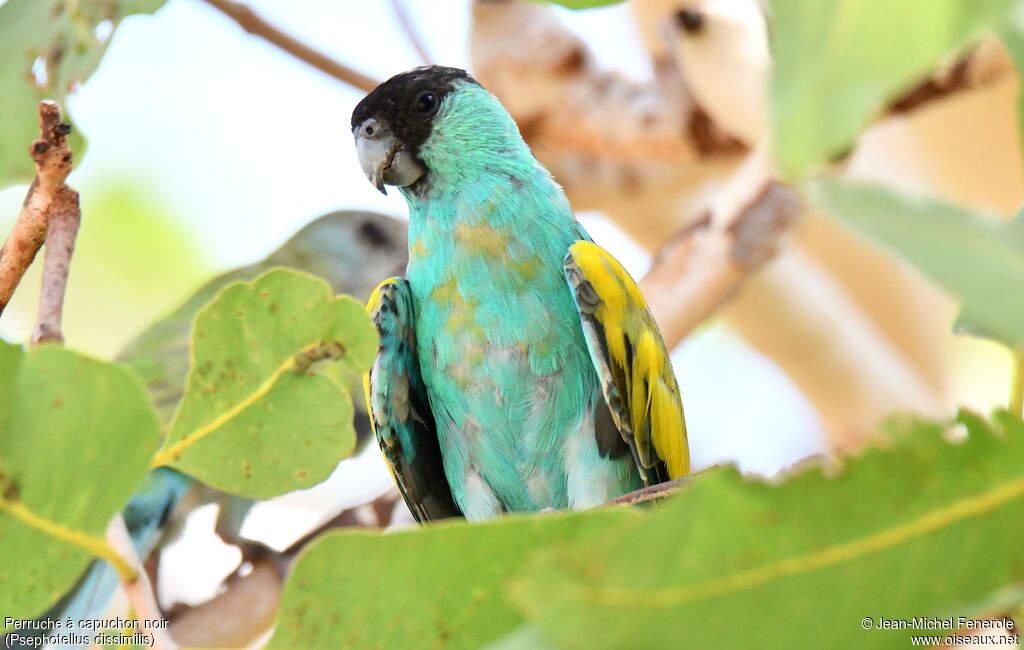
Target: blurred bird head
(429,125)
(351,249)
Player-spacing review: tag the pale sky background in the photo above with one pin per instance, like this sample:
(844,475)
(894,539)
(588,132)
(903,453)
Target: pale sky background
(243,145)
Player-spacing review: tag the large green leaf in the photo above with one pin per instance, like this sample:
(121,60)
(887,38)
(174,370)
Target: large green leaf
(977,258)
(258,419)
(63,41)
(76,436)
(836,63)
(419,588)
(920,527)
(927,529)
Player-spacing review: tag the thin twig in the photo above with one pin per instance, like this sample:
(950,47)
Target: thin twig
(139,590)
(247,605)
(61,231)
(53,164)
(651,493)
(253,23)
(409,27)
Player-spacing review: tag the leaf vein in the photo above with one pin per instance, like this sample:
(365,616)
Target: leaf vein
(824,558)
(89,543)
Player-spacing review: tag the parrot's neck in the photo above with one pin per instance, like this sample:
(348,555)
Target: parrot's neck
(492,214)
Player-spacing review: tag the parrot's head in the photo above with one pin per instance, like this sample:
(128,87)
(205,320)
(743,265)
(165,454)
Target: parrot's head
(431,124)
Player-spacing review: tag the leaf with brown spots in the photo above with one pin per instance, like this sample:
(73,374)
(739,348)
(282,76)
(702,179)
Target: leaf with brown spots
(76,436)
(264,411)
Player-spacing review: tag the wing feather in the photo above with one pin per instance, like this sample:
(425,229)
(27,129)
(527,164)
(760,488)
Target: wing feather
(637,379)
(399,407)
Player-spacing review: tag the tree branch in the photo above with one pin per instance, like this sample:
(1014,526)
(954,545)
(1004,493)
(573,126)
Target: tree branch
(247,606)
(409,27)
(651,493)
(61,231)
(253,23)
(47,196)
(701,268)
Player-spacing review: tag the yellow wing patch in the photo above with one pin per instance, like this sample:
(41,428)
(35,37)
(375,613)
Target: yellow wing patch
(636,373)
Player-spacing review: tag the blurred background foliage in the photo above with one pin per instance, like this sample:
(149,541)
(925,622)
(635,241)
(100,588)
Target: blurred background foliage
(208,147)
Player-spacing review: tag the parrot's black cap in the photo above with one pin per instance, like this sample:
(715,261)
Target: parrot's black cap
(408,102)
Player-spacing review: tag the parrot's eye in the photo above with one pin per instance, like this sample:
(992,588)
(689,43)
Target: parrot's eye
(426,103)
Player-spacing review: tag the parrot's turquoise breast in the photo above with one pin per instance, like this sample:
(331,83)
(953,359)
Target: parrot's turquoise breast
(500,344)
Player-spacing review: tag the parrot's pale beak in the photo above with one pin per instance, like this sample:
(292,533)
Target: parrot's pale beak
(382,157)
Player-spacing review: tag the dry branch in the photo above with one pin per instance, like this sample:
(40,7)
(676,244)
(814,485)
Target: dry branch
(651,493)
(247,606)
(253,23)
(48,195)
(61,231)
(698,270)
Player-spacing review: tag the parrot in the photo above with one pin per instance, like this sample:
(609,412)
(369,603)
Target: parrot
(519,368)
(350,249)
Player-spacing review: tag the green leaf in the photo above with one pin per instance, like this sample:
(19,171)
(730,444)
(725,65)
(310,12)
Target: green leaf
(258,419)
(417,588)
(977,258)
(63,36)
(836,63)
(76,436)
(926,529)
(919,527)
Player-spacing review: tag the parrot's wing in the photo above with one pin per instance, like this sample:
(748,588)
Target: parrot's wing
(400,409)
(629,354)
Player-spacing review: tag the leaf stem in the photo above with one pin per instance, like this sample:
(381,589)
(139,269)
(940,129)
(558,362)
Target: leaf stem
(89,543)
(301,361)
(172,451)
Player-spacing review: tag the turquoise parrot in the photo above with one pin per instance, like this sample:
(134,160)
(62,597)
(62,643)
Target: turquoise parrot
(519,367)
(351,250)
